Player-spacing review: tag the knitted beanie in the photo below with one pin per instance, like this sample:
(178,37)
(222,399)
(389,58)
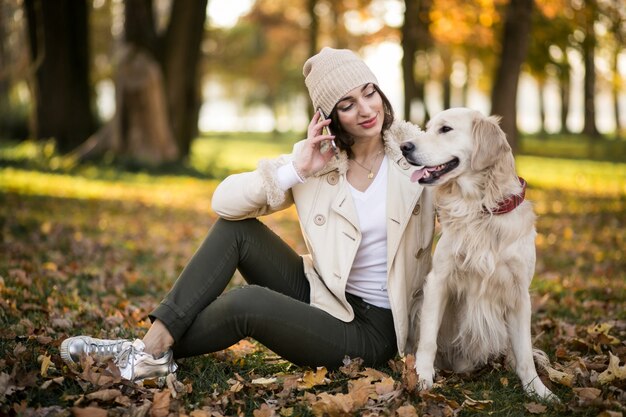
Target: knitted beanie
(331,74)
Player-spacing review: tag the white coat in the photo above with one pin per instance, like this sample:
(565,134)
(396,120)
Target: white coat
(330,227)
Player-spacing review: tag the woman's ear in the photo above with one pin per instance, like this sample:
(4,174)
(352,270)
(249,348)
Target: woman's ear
(490,142)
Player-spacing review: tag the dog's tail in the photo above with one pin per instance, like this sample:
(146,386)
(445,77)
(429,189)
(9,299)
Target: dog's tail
(541,359)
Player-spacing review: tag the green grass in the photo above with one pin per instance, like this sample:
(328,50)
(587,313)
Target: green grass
(99,244)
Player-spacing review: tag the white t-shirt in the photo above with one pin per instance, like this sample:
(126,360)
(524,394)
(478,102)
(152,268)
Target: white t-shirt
(368,277)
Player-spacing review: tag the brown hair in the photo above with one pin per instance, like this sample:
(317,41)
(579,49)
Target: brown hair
(343,139)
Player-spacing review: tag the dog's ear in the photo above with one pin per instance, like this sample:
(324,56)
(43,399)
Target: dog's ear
(490,142)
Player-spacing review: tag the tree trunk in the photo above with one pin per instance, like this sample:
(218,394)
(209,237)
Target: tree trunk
(589,46)
(141,128)
(58,37)
(181,63)
(409,49)
(564,81)
(447,73)
(514,49)
(314,29)
(541,84)
(415,37)
(615,86)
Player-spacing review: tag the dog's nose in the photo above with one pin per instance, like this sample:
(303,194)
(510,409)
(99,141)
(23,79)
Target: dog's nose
(407,148)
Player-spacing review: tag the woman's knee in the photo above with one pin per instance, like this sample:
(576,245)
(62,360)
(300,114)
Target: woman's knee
(246,300)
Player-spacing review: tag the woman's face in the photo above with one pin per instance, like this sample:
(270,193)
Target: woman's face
(361,112)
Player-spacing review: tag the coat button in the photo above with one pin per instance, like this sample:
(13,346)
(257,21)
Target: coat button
(332,178)
(319,219)
(417,209)
(404,164)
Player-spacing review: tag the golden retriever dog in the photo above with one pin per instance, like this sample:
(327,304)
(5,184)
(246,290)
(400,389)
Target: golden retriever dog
(476,303)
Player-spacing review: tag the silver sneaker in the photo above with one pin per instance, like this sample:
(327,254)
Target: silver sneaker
(136,365)
(99,349)
(129,356)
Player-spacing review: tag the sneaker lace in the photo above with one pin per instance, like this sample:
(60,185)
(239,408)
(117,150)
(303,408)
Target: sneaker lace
(129,356)
(105,348)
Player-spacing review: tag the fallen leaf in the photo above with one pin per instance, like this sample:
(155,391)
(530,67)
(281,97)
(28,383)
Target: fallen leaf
(535,408)
(104,395)
(560,377)
(609,413)
(161,404)
(587,393)
(613,371)
(46,361)
(264,411)
(360,391)
(313,378)
(476,404)
(88,412)
(407,411)
(199,413)
(385,386)
(332,405)
(263,381)
(373,374)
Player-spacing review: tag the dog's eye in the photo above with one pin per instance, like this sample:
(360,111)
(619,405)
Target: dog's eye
(444,129)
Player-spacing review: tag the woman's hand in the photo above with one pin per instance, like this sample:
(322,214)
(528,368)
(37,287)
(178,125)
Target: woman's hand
(311,159)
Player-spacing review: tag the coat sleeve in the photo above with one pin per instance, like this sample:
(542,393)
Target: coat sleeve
(252,194)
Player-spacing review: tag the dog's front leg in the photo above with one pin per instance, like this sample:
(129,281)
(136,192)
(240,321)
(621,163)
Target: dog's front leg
(433,307)
(521,344)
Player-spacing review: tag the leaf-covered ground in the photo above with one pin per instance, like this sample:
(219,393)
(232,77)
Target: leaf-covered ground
(91,253)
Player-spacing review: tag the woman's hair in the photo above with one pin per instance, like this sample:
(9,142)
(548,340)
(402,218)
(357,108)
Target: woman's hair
(343,139)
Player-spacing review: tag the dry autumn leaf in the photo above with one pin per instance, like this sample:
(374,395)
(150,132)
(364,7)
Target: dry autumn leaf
(613,371)
(360,390)
(161,404)
(264,411)
(88,412)
(104,395)
(332,405)
(535,408)
(313,378)
(587,393)
(406,411)
(46,361)
(560,377)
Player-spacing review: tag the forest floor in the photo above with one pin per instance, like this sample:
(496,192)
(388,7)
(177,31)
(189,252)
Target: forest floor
(92,249)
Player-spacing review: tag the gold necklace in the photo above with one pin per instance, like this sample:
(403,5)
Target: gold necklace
(370,175)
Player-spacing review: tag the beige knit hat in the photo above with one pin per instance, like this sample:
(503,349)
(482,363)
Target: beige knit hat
(332,73)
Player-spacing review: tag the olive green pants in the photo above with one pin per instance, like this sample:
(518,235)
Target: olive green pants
(274,308)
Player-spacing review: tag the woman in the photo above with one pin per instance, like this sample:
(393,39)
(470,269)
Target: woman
(367,227)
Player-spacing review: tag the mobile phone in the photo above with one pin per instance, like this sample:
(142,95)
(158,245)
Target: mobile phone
(332,142)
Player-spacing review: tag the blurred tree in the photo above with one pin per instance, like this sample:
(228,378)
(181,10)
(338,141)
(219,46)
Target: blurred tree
(588,16)
(463,34)
(513,52)
(547,52)
(59,48)
(313,35)
(415,37)
(156,81)
(260,58)
(613,16)
(14,64)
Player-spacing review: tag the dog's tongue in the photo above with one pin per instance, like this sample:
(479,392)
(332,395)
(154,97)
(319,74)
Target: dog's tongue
(418,174)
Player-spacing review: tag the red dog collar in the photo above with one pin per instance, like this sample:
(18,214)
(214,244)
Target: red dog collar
(510,203)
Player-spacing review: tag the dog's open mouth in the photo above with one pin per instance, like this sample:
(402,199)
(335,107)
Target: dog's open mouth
(428,175)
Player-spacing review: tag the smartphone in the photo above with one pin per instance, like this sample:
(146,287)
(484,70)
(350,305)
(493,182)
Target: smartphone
(332,142)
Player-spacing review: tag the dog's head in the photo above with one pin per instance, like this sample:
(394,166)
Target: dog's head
(456,141)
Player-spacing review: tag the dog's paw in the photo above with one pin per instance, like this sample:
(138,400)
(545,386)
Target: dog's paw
(537,389)
(425,376)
